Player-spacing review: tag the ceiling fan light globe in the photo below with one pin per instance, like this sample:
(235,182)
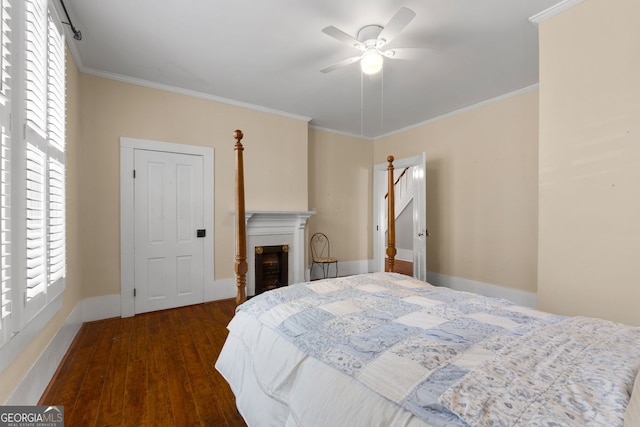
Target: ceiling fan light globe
(371,62)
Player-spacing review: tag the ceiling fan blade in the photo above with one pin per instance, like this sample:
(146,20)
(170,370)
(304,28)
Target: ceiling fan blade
(395,25)
(340,64)
(343,37)
(407,53)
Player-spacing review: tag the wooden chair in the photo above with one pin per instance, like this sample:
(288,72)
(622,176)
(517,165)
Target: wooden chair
(321,254)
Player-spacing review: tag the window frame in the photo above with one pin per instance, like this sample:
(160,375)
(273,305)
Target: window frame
(6,164)
(30,315)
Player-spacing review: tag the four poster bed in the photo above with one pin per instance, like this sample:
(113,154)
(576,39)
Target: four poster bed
(384,349)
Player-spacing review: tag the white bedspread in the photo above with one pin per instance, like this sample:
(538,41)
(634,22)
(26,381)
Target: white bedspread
(388,350)
(276,385)
(576,373)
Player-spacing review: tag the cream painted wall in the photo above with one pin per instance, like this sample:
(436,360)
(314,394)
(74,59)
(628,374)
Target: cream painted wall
(482,168)
(73,291)
(589,246)
(340,191)
(275,165)
(482,176)
(13,374)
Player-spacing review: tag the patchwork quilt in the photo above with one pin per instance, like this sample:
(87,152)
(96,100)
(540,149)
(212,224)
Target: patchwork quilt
(458,359)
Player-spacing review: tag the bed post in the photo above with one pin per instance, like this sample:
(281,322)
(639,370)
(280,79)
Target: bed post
(391,217)
(240,265)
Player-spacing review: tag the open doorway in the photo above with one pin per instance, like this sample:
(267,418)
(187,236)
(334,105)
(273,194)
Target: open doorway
(410,213)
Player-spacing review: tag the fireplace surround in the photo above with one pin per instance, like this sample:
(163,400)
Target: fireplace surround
(277,228)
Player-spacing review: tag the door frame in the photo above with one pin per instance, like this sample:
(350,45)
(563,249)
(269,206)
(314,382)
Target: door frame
(127,223)
(418,163)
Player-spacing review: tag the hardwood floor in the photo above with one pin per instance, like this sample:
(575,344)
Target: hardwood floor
(154,369)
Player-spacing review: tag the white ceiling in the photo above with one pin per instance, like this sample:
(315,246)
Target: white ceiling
(267,54)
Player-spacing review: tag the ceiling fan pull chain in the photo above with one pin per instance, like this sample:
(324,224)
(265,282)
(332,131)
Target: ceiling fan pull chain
(361,103)
(382,100)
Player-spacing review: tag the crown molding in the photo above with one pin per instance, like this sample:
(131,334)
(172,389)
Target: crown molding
(187,92)
(192,93)
(553,11)
(459,111)
(339,132)
(464,109)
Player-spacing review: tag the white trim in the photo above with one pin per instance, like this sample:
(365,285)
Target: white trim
(98,308)
(36,380)
(34,383)
(437,118)
(192,93)
(214,98)
(275,228)
(345,268)
(419,216)
(524,298)
(127,147)
(30,389)
(221,289)
(339,132)
(20,341)
(27,318)
(463,110)
(404,254)
(553,11)
(348,268)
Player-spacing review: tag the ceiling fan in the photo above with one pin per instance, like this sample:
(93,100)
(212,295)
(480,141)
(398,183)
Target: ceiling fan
(371,40)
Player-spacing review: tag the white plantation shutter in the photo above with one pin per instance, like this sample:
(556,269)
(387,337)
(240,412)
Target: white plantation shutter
(36,65)
(56,88)
(5,41)
(5,236)
(45,157)
(56,230)
(36,228)
(6,294)
(56,135)
(32,170)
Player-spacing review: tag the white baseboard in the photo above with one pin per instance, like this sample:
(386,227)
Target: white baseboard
(524,298)
(221,289)
(345,268)
(98,308)
(404,254)
(34,383)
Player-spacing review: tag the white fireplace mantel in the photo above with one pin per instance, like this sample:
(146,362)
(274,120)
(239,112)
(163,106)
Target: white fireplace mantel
(266,228)
(270,222)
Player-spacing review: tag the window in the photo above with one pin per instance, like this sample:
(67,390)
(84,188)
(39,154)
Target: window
(44,142)
(5,177)
(32,179)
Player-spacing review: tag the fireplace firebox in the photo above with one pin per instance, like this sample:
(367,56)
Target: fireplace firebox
(272,267)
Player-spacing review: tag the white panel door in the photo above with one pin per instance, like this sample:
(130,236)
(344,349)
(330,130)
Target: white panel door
(169,255)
